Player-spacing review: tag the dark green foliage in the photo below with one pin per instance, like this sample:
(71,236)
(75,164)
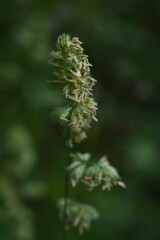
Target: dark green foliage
(123,42)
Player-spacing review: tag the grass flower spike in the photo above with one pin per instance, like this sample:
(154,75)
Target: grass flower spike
(71,69)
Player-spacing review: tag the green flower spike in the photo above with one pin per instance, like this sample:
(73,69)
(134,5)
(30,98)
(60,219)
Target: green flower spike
(71,69)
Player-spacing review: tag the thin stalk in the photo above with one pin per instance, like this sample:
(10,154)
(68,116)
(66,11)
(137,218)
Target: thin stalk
(66,195)
(66,191)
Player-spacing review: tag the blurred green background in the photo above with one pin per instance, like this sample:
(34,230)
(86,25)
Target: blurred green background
(122,39)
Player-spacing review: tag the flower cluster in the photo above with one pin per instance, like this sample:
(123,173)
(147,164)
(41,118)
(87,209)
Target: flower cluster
(96,174)
(78,214)
(71,69)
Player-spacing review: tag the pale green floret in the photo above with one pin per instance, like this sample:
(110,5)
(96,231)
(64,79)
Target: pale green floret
(78,214)
(96,174)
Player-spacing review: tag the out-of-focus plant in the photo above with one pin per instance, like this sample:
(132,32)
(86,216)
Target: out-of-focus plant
(71,69)
(16,185)
(78,214)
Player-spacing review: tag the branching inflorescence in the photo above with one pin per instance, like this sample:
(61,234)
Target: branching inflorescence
(71,69)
